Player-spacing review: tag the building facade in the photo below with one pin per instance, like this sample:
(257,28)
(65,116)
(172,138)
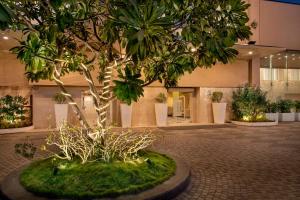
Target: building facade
(270,59)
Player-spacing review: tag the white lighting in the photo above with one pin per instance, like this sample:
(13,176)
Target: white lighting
(250,52)
(5,37)
(193,49)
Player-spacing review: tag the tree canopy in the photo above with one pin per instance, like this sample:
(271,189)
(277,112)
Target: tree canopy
(143,40)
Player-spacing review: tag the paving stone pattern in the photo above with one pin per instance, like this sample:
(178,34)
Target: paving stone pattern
(234,163)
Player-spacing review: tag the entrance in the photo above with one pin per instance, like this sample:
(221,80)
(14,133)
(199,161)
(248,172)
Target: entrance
(180,105)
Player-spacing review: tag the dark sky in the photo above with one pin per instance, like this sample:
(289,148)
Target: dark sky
(289,1)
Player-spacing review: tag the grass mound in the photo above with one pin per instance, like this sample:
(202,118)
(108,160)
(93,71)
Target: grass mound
(70,179)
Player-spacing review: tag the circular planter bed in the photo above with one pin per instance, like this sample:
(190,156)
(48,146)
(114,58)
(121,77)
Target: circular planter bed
(160,177)
(16,130)
(255,124)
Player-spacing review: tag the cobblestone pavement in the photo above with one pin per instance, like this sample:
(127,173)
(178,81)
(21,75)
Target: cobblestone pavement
(232,163)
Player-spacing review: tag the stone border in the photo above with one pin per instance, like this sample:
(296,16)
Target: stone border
(255,124)
(16,130)
(12,189)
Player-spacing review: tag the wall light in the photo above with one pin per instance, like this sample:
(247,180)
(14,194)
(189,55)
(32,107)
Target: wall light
(250,52)
(5,38)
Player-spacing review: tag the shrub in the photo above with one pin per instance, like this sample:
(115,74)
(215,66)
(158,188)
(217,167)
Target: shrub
(249,103)
(216,97)
(286,105)
(297,106)
(59,98)
(102,144)
(12,109)
(272,107)
(161,98)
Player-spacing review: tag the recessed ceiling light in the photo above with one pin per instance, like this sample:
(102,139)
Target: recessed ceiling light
(266,57)
(250,52)
(279,54)
(279,58)
(5,37)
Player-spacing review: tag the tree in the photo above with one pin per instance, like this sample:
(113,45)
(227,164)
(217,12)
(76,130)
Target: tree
(143,41)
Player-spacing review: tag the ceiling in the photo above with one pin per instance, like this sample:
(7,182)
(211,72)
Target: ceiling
(10,39)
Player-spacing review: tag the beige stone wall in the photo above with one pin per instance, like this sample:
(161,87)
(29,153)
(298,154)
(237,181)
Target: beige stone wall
(11,71)
(220,75)
(279,24)
(43,105)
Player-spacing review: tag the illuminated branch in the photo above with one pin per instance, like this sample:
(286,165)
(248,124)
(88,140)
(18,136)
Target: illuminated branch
(71,101)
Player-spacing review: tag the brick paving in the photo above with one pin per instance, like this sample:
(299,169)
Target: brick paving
(234,163)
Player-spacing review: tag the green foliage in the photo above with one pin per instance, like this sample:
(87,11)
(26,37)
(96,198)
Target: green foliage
(26,149)
(48,177)
(59,98)
(160,39)
(286,105)
(12,109)
(249,103)
(272,107)
(216,97)
(297,106)
(129,87)
(161,98)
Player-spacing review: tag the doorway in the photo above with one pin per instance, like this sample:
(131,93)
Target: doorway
(180,105)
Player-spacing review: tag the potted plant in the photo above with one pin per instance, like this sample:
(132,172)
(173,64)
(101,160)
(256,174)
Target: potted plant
(126,115)
(286,107)
(60,108)
(297,107)
(161,110)
(272,111)
(219,109)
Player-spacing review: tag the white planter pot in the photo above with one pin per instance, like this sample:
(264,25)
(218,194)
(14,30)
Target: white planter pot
(61,113)
(219,112)
(126,115)
(287,117)
(161,114)
(298,117)
(273,116)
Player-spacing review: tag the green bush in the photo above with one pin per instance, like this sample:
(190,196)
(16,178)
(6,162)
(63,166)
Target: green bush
(59,98)
(216,97)
(12,109)
(297,106)
(272,107)
(249,103)
(161,98)
(286,105)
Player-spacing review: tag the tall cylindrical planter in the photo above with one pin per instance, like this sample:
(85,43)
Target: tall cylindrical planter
(161,114)
(126,115)
(61,114)
(219,112)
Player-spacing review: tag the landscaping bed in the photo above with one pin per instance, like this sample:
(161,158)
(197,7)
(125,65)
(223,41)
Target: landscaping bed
(71,179)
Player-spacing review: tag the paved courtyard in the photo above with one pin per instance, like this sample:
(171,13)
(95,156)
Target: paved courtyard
(227,163)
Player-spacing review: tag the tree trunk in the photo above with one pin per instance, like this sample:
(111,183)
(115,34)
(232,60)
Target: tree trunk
(71,101)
